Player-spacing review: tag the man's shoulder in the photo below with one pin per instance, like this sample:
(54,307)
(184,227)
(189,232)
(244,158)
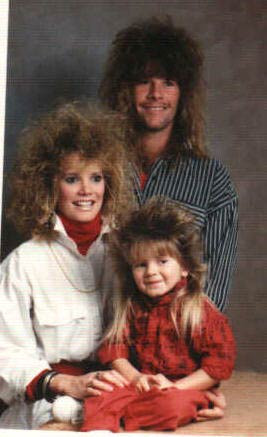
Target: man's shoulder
(201,161)
(196,163)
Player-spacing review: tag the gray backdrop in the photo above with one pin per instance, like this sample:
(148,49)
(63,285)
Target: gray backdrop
(57,49)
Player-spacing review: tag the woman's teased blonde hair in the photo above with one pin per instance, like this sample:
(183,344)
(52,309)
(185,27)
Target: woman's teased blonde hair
(160,227)
(70,128)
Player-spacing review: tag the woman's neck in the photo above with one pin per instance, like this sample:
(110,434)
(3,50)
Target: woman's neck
(83,234)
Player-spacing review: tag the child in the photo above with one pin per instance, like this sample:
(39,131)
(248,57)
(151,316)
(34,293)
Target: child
(68,184)
(167,339)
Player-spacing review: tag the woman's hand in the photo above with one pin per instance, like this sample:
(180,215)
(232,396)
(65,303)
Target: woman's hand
(217,410)
(90,384)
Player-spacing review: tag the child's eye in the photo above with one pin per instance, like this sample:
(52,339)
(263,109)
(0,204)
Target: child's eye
(163,260)
(139,265)
(97,177)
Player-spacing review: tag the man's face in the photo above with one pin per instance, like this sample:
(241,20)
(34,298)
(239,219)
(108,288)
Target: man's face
(156,100)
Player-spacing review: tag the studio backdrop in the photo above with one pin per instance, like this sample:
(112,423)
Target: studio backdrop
(56,51)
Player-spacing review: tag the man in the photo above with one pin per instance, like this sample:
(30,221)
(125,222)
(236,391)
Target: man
(154,77)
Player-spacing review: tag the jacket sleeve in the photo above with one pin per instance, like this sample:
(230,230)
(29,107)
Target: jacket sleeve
(21,357)
(220,237)
(215,344)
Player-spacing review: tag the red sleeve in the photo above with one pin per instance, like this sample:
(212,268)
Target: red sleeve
(216,344)
(109,352)
(31,389)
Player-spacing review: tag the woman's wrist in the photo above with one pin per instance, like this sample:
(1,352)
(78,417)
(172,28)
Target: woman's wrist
(58,383)
(40,388)
(48,394)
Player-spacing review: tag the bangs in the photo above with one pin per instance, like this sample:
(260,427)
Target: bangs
(152,248)
(155,67)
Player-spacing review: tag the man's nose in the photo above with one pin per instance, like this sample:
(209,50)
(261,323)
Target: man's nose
(155,90)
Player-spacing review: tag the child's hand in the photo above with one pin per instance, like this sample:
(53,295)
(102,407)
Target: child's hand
(146,382)
(162,382)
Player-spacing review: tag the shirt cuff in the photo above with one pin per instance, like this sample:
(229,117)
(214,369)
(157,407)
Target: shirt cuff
(32,390)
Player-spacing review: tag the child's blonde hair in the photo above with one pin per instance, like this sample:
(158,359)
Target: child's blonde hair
(76,127)
(160,227)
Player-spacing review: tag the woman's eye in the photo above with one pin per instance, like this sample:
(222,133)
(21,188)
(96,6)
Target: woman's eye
(163,260)
(70,179)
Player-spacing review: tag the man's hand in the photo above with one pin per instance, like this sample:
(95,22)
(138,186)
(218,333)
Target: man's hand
(217,409)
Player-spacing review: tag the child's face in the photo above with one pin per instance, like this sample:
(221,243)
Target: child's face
(81,188)
(157,275)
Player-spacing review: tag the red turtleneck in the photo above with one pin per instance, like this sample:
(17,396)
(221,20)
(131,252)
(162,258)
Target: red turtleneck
(83,234)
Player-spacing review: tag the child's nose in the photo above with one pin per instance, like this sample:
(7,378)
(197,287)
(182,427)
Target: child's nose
(151,269)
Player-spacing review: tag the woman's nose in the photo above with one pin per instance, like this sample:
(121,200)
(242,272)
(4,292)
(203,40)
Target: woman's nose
(85,187)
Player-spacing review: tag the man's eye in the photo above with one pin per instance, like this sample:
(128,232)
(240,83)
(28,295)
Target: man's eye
(142,82)
(170,83)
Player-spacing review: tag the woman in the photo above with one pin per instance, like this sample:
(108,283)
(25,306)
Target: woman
(67,184)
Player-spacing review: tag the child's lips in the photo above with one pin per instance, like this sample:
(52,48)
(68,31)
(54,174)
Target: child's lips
(153,283)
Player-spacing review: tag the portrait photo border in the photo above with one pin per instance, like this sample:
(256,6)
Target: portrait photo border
(4,9)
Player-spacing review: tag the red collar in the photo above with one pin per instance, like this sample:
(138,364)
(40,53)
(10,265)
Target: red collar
(83,234)
(143,179)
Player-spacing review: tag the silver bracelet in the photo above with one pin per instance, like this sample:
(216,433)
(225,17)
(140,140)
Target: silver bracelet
(48,395)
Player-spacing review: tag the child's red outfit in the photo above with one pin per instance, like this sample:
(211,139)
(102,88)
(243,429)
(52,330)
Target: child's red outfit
(156,348)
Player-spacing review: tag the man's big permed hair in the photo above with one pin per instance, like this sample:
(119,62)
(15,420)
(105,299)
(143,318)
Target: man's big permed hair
(157,47)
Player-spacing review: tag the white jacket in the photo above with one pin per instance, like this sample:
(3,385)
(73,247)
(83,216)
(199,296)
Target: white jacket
(50,309)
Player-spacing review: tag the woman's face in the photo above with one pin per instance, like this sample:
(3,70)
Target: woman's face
(81,188)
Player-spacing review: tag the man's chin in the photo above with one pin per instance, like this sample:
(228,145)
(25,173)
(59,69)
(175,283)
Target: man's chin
(146,128)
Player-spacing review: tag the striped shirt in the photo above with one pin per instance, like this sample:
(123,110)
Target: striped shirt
(203,186)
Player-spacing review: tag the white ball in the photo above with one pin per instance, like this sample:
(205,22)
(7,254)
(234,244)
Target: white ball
(67,409)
